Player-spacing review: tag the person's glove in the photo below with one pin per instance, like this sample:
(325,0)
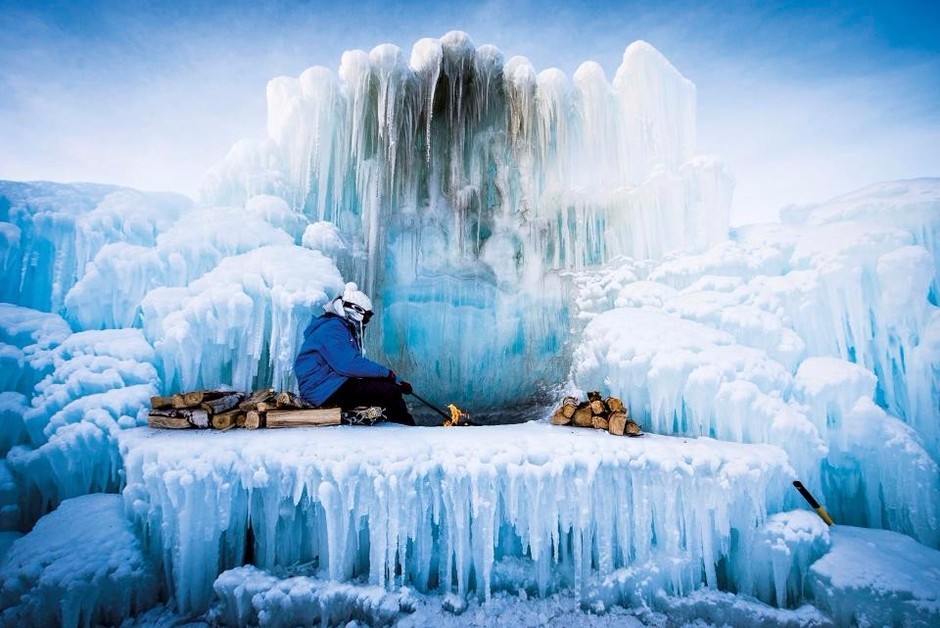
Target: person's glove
(405,388)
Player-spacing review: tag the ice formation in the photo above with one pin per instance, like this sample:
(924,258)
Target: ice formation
(468,182)
(523,235)
(82,565)
(437,508)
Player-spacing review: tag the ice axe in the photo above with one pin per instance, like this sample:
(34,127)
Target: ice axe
(813,503)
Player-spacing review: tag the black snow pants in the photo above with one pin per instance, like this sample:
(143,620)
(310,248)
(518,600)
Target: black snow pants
(372,392)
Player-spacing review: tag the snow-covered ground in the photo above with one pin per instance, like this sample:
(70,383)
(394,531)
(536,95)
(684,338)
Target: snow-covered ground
(516,253)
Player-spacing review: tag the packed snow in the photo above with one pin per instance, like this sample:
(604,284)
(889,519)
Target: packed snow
(523,236)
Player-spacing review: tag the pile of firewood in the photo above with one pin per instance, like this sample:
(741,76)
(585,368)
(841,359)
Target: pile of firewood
(225,409)
(603,414)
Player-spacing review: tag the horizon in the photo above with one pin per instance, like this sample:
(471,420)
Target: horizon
(801,103)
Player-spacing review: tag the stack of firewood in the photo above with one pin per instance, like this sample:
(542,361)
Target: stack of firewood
(223,410)
(603,414)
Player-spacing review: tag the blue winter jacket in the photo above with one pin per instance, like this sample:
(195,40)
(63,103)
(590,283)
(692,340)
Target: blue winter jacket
(329,355)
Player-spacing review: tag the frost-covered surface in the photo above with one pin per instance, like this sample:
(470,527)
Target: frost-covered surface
(877,578)
(447,508)
(82,565)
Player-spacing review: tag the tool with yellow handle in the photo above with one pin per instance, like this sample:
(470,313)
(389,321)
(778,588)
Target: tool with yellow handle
(813,503)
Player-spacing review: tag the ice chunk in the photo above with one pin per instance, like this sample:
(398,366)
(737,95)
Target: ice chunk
(436,509)
(81,565)
(719,608)
(682,377)
(88,364)
(877,472)
(9,499)
(101,383)
(877,578)
(27,338)
(911,205)
(13,406)
(785,547)
(61,228)
(324,237)
(251,596)
(110,292)
(241,323)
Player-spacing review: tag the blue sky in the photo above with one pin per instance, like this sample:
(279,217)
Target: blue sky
(803,101)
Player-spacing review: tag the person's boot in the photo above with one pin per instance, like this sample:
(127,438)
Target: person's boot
(363,415)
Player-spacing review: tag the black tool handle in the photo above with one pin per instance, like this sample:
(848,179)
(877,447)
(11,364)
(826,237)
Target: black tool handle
(806,494)
(433,407)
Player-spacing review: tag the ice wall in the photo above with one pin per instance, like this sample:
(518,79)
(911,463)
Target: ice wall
(50,231)
(467,182)
(99,383)
(818,334)
(451,509)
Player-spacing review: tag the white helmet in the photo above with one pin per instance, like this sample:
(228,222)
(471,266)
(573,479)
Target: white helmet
(353,304)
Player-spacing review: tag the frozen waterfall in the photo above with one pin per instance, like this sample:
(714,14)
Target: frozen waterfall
(468,183)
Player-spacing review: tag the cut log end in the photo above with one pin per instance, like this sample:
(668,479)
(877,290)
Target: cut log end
(614,404)
(616,423)
(560,418)
(583,416)
(253,420)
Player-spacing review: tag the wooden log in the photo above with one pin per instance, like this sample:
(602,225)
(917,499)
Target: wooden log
(559,417)
(599,422)
(197,397)
(616,423)
(568,406)
(240,418)
(594,395)
(222,404)
(288,400)
(598,408)
(614,404)
(302,418)
(226,420)
(161,403)
(265,406)
(583,417)
(255,398)
(253,420)
(197,417)
(169,422)
(632,429)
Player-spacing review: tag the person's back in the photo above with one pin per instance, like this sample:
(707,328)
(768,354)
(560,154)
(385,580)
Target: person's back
(331,369)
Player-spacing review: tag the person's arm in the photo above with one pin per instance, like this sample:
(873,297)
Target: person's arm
(339,349)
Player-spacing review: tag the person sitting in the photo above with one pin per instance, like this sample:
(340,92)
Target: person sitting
(331,366)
